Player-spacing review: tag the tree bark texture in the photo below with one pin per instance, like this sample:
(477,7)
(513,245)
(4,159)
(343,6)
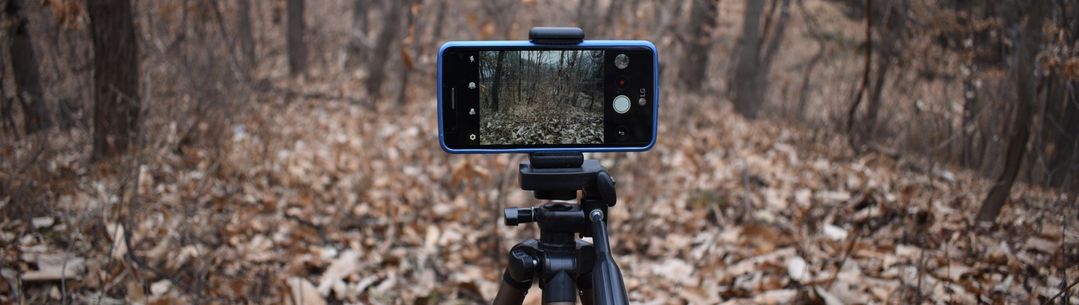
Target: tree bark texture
(1024,73)
(694,64)
(297,50)
(391,24)
(246,33)
(24,62)
(497,82)
(116,75)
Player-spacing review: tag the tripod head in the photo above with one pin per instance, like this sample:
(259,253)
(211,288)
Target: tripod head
(560,176)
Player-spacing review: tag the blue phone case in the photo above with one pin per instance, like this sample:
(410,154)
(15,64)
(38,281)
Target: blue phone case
(523,43)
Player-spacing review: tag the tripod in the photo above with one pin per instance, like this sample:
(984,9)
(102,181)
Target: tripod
(563,264)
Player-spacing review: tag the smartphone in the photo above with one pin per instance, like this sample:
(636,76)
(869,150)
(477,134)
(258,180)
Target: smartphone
(521,97)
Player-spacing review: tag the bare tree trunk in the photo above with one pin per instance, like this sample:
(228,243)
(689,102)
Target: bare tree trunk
(496,88)
(777,31)
(894,24)
(560,89)
(575,78)
(852,112)
(534,63)
(358,44)
(25,65)
(391,26)
(503,12)
(440,17)
(884,63)
(699,45)
(7,122)
(803,96)
(970,102)
(116,75)
(520,69)
(297,52)
(586,16)
(1067,138)
(664,17)
(614,10)
(822,48)
(1017,142)
(414,29)
(750,82)
(359,16)
(747,60)
(246,33)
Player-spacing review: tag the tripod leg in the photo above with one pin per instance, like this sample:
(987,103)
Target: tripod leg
(510,291)
(509,295)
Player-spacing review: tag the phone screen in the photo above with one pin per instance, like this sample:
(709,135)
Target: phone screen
(505,97)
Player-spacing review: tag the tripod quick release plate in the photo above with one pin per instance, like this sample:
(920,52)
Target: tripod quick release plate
(562,183)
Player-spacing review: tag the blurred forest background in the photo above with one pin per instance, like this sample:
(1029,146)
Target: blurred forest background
(285,152)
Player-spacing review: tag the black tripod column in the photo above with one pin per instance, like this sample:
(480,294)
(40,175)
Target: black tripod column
(559,284)
(555,259)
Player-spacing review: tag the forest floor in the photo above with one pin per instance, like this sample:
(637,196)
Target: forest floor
(328,202)
(524,124)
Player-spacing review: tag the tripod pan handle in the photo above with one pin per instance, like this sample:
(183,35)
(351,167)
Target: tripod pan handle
(607,285)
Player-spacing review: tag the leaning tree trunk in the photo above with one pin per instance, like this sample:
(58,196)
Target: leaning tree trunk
(695,59)
(297,51)
(116,70)
(25,65)
(1017,142)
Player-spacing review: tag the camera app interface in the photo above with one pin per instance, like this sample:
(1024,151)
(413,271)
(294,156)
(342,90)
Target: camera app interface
(541,97)
(520,97)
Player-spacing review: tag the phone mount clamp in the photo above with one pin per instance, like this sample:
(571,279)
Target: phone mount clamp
(564,265)
(556,35)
